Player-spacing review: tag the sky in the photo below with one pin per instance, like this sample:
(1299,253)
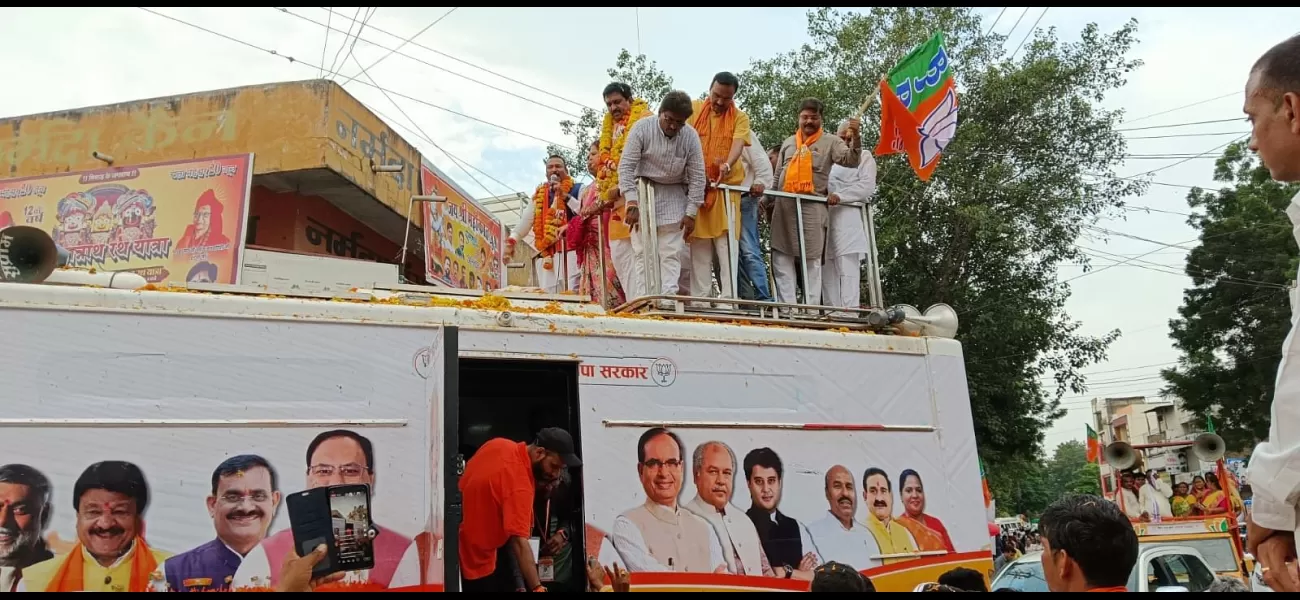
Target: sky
(546,63)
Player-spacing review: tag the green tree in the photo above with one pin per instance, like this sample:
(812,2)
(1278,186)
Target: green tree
(1069,471)
(1020,485)
(1030,167)
(1237,312)
(648,82)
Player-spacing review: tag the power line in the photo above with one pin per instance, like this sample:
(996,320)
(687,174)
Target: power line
(1017,23)
(1187,124)
(995,21)
(369,15)
(465,62)
(1175,109)
(345,43)
(1190,158)
(395,93)
(325,46)
(1031,32)
(435,66)
(1183,135)
(399,47)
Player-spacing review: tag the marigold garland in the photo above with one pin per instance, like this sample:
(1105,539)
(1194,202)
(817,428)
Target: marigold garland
(611,150)
(549,218)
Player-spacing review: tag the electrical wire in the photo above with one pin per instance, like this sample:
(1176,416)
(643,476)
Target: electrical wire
(1031,32)
(395,93)
(400,46)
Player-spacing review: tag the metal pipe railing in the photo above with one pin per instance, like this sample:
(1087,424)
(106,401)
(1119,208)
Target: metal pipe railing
(875,293)
(649,233)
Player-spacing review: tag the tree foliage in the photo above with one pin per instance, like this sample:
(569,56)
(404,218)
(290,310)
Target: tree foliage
(1026,486)
(1237,312)
(1030,167)
(647,81)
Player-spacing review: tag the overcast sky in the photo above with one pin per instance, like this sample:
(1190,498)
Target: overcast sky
(63,59)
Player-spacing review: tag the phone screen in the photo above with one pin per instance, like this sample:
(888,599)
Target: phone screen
(339,518)
(354,536)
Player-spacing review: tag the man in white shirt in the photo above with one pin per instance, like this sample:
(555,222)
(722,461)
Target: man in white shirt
(550,280)
(758,178)
(714,472)
(1154,497)
(846,240)
(667,153)
(838,536)
(1273,107)
(1126,497)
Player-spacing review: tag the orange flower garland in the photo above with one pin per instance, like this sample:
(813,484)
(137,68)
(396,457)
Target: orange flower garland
(548,219)
(611,150)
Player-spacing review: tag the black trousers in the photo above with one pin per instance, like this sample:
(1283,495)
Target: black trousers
(502,578)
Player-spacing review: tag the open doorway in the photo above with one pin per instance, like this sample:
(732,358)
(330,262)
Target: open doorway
(515,399)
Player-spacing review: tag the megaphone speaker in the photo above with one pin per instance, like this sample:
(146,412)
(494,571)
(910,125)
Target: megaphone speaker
(27,254)
(1209,447)
(1120,455)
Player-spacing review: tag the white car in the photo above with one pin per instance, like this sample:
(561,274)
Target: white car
(1159,569)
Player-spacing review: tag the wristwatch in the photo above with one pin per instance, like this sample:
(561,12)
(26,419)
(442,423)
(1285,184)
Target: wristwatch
(789,571)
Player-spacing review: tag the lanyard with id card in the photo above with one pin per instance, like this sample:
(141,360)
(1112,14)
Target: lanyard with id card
(545,565)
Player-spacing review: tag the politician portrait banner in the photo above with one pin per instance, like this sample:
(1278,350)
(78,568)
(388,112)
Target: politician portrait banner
(181,221)
(202,428)
(462,240)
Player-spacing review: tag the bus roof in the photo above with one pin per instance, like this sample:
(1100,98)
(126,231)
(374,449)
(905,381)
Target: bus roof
(486,312)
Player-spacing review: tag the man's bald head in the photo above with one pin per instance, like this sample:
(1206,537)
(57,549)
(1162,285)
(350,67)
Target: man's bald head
(1273,108)
(840,493)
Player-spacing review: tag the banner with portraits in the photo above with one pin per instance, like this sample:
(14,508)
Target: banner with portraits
(711,466)
(463,241)
(148,452)
(180,221)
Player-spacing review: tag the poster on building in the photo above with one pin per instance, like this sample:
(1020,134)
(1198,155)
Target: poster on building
(202,428)
(181,221)
(463,241)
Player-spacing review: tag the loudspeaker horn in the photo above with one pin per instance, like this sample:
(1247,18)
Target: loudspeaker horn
(903,315)
(27,254)
(1121,456)
(940,320)
(1209,447)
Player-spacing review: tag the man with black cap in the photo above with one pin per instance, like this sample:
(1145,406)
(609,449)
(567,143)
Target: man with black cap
(497,491)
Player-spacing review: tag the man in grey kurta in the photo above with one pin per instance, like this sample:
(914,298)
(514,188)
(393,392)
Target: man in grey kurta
(827,150)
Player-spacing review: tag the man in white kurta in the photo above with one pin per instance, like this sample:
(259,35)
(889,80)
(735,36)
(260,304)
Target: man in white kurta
(758,178)
(1273,107)
(550,280)
(715,475)
(846,239)
(838,534)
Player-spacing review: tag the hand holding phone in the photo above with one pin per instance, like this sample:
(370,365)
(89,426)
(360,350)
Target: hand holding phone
(339,517)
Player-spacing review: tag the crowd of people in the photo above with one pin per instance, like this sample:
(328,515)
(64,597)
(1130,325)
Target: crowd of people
(683,152)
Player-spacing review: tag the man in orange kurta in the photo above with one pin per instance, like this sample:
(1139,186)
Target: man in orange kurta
(724,133)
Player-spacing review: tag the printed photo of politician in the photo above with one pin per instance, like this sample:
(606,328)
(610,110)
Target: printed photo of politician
(109,501)
(25,512)
(243,502)
(701,530)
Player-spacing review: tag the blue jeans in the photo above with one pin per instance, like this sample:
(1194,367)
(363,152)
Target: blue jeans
(752,266)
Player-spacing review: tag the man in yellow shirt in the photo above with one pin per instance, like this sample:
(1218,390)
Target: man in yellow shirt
(111,555)
(724,133)
(890,535)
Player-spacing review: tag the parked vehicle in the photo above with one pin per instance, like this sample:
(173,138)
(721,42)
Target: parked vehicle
(1160,568)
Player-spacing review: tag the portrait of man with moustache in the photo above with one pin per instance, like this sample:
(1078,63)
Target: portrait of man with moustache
(838,535)
(24,514)
(109,500)
(890,535)
(243,502)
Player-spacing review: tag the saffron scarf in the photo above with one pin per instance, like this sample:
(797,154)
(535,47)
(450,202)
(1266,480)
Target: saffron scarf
(71,574)
(799,175)
(716,144)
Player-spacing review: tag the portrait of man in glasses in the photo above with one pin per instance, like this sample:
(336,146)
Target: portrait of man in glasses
(336,457)
(660,535)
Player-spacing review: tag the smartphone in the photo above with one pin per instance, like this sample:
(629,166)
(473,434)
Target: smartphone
(339,517)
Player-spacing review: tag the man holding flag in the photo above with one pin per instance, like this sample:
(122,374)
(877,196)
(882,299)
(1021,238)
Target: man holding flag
(804,167)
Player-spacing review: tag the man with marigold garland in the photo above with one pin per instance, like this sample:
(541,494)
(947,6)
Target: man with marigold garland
(625,110)
(547,214)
